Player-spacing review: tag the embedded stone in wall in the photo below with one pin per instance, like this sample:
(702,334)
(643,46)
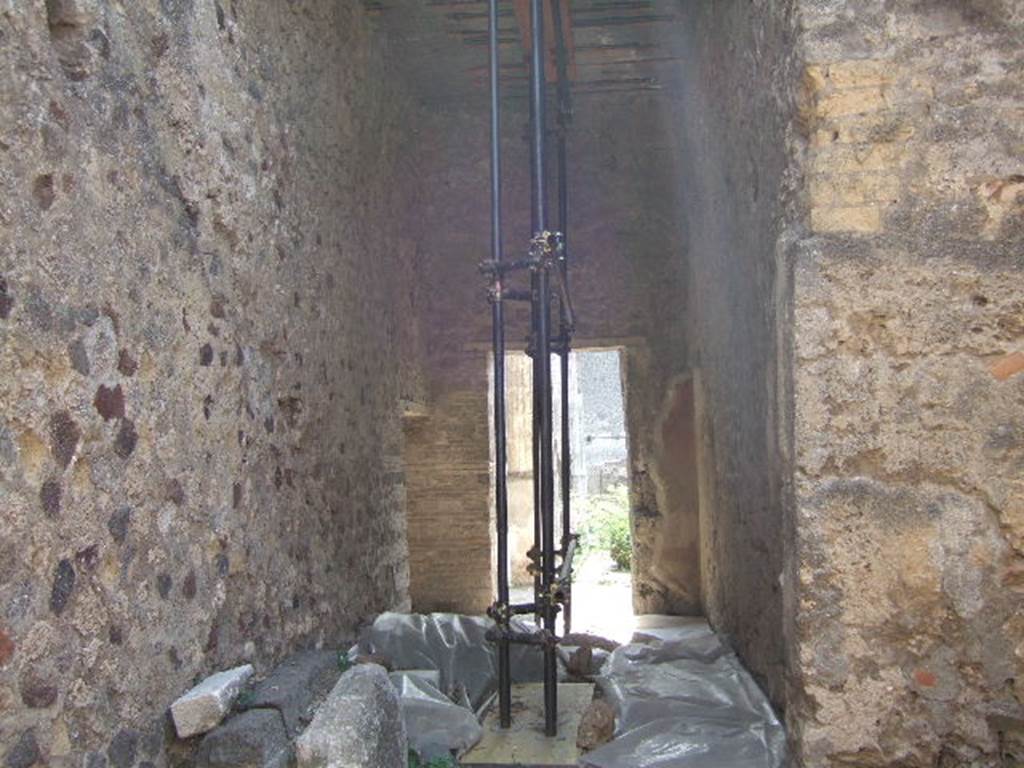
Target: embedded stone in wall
(204,706)
(360,724)
(24,752)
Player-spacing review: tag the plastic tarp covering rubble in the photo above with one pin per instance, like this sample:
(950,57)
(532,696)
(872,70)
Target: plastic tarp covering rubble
(683,700)
(457,648)
(434,723)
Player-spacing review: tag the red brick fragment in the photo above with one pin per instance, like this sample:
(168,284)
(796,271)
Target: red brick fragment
(6,648)
(924,678)
(1007,366)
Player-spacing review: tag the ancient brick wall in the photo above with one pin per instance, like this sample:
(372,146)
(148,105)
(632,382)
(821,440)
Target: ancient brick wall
(201,280)
(909,459)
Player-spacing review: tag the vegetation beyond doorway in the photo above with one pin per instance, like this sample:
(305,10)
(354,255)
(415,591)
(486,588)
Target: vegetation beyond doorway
(604,527)
(599,484)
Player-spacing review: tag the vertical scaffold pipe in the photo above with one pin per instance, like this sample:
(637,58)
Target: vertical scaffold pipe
(565,332)
(498,339)
(542,359)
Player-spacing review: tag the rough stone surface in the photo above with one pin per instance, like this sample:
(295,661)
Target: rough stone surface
(123,749)
(221,224)
(359,724)
(178,176)
(734,100)
(905,645)
(580,663)
(296,687)
(253,739)
(23,752)
(203,707)
(597,725)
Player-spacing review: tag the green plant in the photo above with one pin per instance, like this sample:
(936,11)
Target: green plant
(620,542)
(605,526)
(343,661)
(437,762)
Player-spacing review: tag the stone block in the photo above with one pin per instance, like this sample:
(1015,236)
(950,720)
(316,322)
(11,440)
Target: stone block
(857,73)
(881,156)
(253,739)
(204,706)
(597,726)
(853,102)
(852,189)
(849,219)
(71,13)
(359,725)
(296,686)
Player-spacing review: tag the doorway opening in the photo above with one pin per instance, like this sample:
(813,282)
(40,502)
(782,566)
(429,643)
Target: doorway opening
(599,486)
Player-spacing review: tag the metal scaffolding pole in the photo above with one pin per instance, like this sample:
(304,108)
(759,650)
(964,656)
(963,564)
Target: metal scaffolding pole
(542,355)
(498,340)
(545,261)
(564,311)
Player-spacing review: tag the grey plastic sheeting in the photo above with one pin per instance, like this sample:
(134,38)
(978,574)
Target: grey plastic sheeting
(434,724)
(684,700)
(457,648)
(454,645)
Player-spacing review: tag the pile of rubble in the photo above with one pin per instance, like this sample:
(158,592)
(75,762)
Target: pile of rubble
(676,697)
(307,711)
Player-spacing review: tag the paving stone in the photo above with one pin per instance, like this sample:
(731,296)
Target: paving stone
(204,706)
(359,725)
(296,686)
(253,739)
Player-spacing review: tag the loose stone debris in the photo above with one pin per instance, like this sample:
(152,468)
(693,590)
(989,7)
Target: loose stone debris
(203,707)
(254,738)
(597,726)
(296,687)
(676,697)
(358,725)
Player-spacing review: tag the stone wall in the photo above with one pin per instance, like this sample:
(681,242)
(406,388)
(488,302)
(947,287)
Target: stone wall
(734,106)
(909,601)
(201,280)
(852,196)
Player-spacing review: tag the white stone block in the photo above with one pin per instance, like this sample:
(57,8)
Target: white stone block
(204,706)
